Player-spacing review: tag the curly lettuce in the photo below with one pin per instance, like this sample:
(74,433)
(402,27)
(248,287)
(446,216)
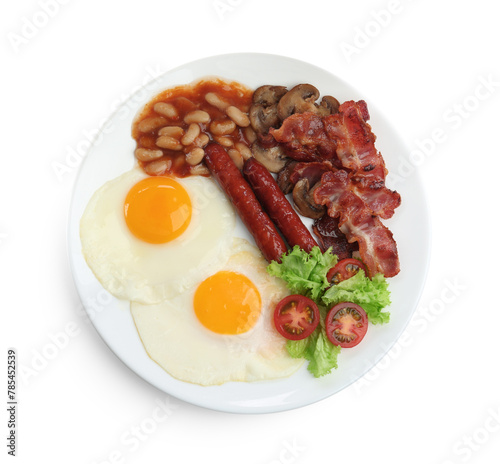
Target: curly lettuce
(305,274)
(371,294)
(318,350)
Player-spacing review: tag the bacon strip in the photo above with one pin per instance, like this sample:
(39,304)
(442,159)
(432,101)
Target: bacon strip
(355,139)
(341,149)
(312,171)
(347,141)
(326,229)
(356,150)
(381,201)
(305,139)
(376,243)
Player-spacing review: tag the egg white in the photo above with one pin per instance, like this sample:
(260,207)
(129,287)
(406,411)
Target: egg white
(149,273)
(175,339)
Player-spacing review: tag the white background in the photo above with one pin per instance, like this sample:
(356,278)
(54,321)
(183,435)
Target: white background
(431,67)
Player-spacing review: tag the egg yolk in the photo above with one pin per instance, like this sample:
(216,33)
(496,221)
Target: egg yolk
(157,209)
(227,303)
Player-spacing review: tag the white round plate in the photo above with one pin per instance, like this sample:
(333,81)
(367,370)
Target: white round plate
(112,154)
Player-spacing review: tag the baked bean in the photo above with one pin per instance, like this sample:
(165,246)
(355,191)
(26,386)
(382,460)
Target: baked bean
(195,156)
(235,155)
(165,141)
(202,140)
(179,123)
(186,104)
(216,101)
(173,131)
(158,167)
(178,162)
(166,109)
(222,127)
(224,141)
(238,116)
(191,134)
(244,150)
(145,154)
(199,170)
(250,134)
(149,124)
(197,116)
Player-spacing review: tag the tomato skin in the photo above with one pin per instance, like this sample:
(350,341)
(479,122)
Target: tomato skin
(344,270)
(296,317)
(346,324)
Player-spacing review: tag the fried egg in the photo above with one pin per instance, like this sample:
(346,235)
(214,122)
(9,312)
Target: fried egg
(221,329)
(147,239)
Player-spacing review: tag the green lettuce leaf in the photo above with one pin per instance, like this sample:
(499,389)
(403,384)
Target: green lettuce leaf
(298,348)
(318,350)
(371,294)
(304,273)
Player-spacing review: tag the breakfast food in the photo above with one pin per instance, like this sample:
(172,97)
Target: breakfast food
(346,324)
(277,206)
(242,197)
(345,173)
(176,125)
(137,267)
(323,153)
(240,344)
(211,308)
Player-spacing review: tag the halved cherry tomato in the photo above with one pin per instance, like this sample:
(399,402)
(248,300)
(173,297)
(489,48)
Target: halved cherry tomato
(346,324)
(296,317)
(344,270)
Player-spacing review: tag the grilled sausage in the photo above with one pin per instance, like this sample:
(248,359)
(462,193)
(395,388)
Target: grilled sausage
(241,195)
(277,206)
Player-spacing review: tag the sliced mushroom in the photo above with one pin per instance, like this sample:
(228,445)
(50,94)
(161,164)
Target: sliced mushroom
(330,104)
(268,95)
(283,178)
(300,99)
(263,112)
(272,158)
(304,200)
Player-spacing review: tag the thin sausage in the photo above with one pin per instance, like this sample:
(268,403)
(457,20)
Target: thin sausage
(241,195)
(277,206)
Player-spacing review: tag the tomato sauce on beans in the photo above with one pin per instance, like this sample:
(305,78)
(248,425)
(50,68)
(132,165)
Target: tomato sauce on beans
(175,126)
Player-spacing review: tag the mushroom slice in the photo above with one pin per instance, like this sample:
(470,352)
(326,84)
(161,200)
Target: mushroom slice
(329,105)
(273,158)
(300,99)
(304,200)
(268,95)
(263,113)
(283,178)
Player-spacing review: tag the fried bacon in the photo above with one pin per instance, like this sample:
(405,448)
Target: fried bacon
(305,139)
(312,171)
(354,137)
(337,155)
(381,201)
(346,140)
(326,229)
(376,244)
(356,150)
